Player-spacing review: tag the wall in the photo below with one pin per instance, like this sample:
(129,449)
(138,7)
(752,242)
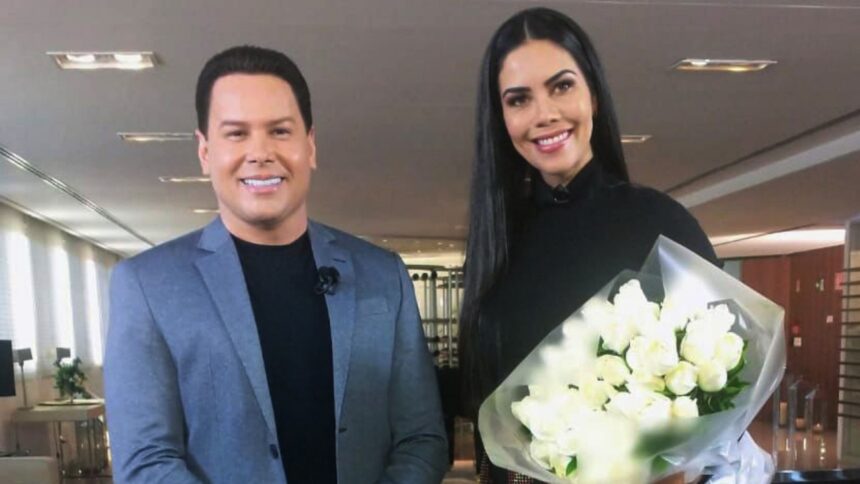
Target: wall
(817,359)
(803,284)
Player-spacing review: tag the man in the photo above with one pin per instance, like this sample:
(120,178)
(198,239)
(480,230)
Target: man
(265,348)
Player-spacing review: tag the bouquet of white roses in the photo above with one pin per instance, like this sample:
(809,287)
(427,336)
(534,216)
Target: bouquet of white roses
(628,389)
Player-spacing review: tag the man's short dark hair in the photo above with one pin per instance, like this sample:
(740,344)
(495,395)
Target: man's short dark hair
(249,59)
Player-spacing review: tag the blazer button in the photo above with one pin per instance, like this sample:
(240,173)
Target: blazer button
(274,450)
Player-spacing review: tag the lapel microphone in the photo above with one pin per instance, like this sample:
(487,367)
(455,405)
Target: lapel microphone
(328,279)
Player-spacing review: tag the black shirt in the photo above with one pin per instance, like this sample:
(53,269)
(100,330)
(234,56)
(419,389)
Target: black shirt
(576,240)
(295,339)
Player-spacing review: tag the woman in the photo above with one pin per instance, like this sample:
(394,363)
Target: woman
(553,216)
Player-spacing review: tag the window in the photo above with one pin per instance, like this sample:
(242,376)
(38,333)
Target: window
(53,291)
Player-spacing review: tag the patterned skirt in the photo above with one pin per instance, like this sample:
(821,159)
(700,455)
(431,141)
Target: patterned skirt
(490,474)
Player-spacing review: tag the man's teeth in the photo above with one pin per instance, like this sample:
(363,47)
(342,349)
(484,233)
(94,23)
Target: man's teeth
(554,139)
(262,183)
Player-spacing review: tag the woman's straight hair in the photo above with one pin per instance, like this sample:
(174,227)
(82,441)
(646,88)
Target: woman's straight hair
(500,187)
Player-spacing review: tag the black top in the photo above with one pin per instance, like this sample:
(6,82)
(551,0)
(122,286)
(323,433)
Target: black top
(578,238)
(295,339)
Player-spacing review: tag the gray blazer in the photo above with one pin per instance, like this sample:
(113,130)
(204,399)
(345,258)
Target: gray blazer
(186,389)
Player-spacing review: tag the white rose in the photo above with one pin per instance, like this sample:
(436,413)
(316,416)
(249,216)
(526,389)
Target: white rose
(720,318)
(712,376)
(547,393)
(612,369)
(630,299)
(673,315)
(657,413)
(559,464)
(627,404)
(596,392)
(681,380)
(547,425)
(598,312)
(567,442)
(571,407)
(684,407)
(525,409)
(652,355)
(699,325)
(642,380)
(633,308)
(616,335)
(543,451)
(647,321)
(698,346)
(549,409)
(729,349)
(544,418)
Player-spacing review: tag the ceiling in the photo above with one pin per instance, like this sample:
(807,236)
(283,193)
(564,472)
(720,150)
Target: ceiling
(393,84)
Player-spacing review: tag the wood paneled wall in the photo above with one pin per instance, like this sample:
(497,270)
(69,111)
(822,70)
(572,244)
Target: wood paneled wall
(803,284)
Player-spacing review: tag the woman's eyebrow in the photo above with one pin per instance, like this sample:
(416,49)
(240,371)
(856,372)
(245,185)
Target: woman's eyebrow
(558,75)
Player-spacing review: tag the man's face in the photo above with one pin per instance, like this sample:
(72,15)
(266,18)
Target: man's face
(258,154)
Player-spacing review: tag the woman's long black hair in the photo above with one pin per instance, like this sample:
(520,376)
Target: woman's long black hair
(499,193)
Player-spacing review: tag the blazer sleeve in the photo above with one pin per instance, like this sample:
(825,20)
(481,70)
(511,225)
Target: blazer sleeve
(419,452)
(144,409)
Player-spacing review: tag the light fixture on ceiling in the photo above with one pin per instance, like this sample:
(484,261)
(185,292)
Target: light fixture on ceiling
(60,186)
(134,61)
(154,137)
(183,179)
(635,138)
(722,65)
(205,210)
(81,58)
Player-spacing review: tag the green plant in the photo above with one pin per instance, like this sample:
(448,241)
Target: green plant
(69,379)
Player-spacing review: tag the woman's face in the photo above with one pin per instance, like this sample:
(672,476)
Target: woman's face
(548,109)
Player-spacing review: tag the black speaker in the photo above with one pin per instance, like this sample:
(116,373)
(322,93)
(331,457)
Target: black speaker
(7,370)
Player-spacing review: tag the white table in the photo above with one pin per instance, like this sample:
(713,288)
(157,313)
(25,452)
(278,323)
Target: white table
(85,415)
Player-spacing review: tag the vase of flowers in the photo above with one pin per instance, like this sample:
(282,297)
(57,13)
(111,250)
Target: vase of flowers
(69,380)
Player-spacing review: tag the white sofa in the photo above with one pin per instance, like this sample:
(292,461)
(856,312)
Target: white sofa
(29,470)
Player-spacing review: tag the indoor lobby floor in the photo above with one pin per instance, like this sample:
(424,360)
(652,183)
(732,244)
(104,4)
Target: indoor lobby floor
(811,451)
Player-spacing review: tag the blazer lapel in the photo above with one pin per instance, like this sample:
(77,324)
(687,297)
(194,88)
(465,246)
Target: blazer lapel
(341,305)
(222,273)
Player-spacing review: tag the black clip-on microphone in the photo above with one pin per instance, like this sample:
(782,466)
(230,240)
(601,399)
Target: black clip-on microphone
(328,279)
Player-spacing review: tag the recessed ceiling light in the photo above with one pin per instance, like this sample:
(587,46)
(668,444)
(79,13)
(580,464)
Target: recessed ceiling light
(154,137)
(183,179)
(635,138)
(722,65)
(104,60)
(128,58)
(81,58)
(205,210)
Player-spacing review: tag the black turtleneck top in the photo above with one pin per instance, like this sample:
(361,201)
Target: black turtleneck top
(577,239)
(295,340)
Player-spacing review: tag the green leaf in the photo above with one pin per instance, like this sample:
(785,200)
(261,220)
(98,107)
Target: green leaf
(602,350)
(659,465)
(69,379)
(654,443)
(571,466)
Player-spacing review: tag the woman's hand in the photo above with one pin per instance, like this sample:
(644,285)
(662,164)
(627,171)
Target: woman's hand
(673,479)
